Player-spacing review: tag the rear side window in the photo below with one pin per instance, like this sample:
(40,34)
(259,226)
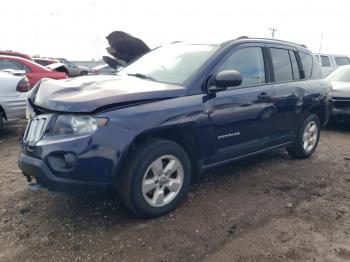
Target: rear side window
(295,67)
(282,66)
(8,64)
(325,62)
(249,62)
(306,61)
(342,60)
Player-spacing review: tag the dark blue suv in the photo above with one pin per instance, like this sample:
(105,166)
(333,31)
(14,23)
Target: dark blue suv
(176,111)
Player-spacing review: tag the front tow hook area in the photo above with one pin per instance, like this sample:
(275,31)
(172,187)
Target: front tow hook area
(33,181)
(28,177)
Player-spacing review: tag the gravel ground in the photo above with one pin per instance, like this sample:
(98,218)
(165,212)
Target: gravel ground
(266,208)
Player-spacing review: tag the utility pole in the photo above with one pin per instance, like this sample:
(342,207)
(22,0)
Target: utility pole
(321,39)
(273,30)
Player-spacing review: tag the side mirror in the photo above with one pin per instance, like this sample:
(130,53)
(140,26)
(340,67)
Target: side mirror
(225,79)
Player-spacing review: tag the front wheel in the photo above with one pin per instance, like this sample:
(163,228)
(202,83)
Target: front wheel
(307,137)
(155,178)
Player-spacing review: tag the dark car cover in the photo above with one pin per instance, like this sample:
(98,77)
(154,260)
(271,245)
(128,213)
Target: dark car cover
(125,47)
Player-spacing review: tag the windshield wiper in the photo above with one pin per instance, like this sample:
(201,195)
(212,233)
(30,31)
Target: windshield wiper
(142,76)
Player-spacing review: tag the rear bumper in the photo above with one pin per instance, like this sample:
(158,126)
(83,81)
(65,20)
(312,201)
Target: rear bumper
(33,167)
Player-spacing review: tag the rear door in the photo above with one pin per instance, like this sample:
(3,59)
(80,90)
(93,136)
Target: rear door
(286,78)
(11,100)
(326,65)
(290,87)
(16,65)
(242,118)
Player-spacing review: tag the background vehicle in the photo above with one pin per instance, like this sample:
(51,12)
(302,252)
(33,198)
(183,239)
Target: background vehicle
(74,70)
(34,71)
(329,62)
(45,61)
(12,53)
(103,70)
(13,94)
(179,109)
(340,80)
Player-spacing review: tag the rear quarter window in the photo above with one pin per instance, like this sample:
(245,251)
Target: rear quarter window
(296,73)
(307,63)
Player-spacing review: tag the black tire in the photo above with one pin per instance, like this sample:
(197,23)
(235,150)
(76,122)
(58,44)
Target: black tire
(1,126)
(84,73)
(134,170)
(297,149)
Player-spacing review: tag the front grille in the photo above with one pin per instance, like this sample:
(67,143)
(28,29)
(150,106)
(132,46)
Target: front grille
(36,128)
(342,103)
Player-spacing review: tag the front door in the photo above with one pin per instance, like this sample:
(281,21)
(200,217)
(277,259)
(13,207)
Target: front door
(242,117)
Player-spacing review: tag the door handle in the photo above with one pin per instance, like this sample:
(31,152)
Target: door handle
(264,96)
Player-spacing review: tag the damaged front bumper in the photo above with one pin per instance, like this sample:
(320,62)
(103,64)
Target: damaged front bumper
(72,163)
(37,169)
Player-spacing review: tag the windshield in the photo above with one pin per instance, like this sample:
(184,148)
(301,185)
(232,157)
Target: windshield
(172,64)
(342,74)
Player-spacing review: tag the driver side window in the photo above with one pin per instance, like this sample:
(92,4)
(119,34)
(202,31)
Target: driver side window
(249,61)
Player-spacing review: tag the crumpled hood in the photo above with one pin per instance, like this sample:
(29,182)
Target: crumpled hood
(88,93)
(340,89)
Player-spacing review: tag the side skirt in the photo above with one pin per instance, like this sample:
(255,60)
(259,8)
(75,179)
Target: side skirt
(220,163)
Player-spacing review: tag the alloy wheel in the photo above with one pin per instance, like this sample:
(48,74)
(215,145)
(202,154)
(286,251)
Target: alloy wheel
(162,180)
(310,136)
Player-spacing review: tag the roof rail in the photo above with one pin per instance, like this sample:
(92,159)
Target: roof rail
(231,40)
(261,38)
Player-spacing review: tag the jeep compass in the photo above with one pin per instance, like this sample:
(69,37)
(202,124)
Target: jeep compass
(176,111)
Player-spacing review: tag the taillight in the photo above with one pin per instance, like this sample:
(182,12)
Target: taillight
(23,85)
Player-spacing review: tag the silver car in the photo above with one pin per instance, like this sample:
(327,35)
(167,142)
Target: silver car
(13,93)
(73,69)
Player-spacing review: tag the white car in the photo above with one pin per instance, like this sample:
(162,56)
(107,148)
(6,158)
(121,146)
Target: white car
(330,63)
(14,87)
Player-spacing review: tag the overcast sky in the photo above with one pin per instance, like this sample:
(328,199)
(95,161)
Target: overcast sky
(76,29)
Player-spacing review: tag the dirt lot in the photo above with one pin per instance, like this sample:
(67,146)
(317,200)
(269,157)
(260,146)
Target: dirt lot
(267,208)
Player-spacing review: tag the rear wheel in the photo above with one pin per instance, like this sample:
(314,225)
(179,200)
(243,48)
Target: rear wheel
(155,178)
(1,125)
(307,137)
